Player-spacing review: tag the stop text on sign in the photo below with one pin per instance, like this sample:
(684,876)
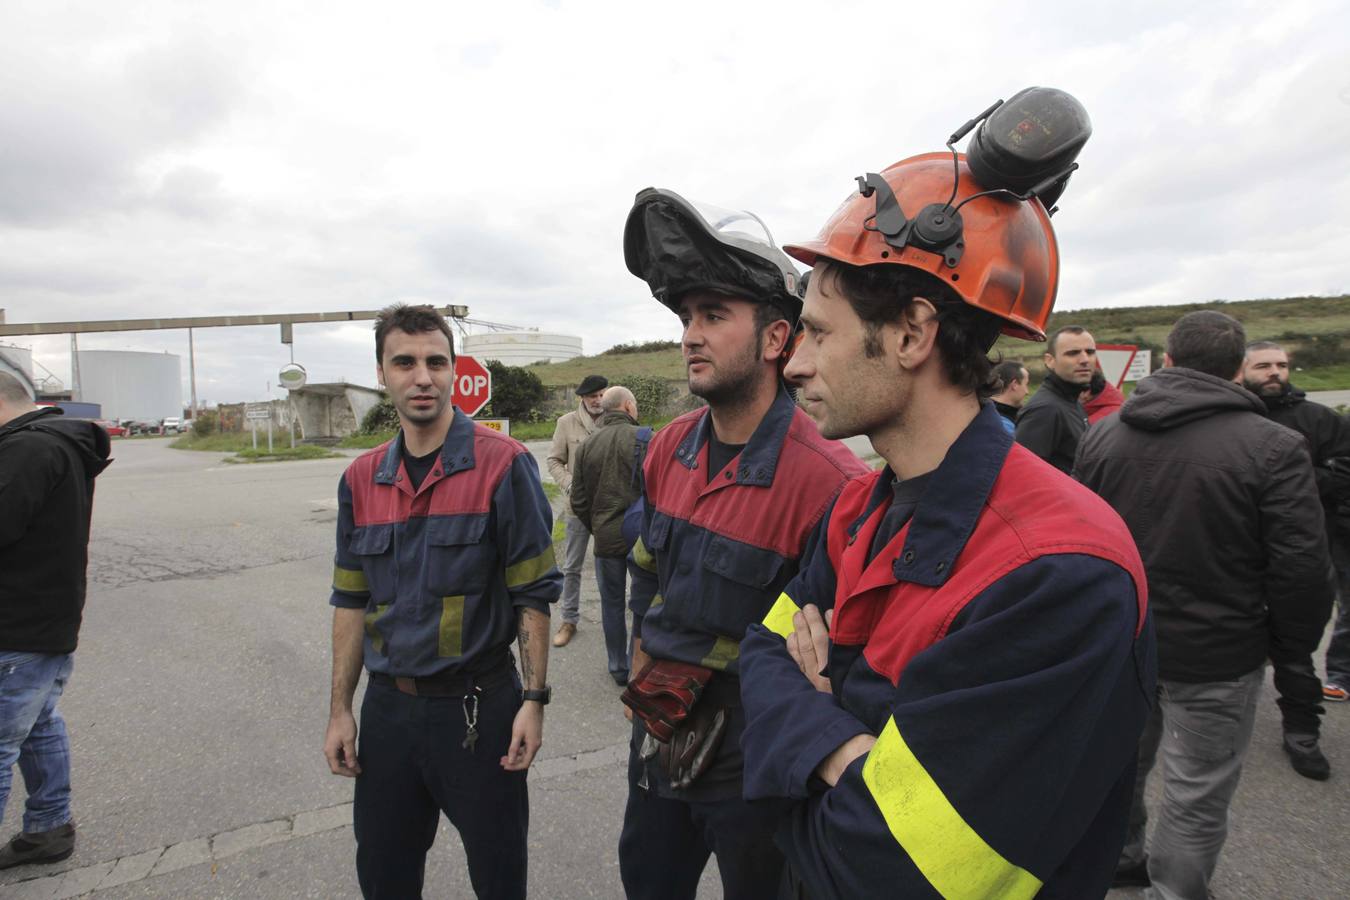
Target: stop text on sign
(472,386)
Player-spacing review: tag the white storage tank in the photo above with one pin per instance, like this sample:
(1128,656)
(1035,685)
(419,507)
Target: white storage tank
(129,384)
(520,348)
(18,361)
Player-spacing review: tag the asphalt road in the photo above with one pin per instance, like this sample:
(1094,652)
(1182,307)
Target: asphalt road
(200,693)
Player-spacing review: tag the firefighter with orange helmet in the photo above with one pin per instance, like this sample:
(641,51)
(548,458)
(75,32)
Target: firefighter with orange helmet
(952,689)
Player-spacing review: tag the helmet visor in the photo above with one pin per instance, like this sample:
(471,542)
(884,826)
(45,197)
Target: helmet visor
(678,246)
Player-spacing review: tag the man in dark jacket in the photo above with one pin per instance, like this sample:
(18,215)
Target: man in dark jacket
(1011,379)
(1265,373)
(1053,421)
(604,485)
(1222,504)
(47,470)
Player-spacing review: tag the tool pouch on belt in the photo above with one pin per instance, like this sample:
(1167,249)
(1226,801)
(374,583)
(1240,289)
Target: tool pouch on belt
(694,747)
(663,694)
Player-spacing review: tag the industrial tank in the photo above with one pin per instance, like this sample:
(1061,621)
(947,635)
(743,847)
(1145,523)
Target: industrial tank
(145,387)
(520,348)
(18,361)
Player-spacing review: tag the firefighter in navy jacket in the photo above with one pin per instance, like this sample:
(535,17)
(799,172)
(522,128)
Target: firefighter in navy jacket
(951,690)
(732,493)
(444,558)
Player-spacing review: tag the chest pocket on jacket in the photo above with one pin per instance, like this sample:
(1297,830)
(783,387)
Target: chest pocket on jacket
(458,562)
(371,540)
(657,535)
(740,584)
(373,543)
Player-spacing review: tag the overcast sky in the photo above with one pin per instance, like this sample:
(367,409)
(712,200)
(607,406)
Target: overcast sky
(162,159)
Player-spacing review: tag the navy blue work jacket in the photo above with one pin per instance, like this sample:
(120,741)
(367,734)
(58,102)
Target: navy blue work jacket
(441,571)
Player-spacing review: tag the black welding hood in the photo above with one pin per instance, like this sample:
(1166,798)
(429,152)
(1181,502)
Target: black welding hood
(677,246)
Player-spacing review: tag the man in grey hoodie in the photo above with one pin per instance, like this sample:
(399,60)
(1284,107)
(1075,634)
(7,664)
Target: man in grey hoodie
(1223,506)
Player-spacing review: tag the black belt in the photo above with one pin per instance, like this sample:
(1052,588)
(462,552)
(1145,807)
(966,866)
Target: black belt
(449,684)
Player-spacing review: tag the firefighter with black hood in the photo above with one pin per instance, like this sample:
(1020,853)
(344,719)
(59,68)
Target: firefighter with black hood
(951,692)
(732,495)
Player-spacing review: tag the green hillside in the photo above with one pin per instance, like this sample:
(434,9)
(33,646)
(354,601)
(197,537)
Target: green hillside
(1294,321)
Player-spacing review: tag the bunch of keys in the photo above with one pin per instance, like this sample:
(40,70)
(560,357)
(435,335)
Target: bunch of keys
(471,719)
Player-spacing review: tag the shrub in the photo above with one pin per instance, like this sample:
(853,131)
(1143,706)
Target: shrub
(517,393)
(641,347)
(652,395)
(382,417)
(1320,350)
(206,423)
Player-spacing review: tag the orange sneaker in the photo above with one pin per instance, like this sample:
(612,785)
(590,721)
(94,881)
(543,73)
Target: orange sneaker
(1335,693)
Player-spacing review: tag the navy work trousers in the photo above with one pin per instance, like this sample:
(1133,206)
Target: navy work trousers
(665,844)
(413,768)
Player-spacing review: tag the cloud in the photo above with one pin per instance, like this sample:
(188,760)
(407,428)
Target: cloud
(162,160)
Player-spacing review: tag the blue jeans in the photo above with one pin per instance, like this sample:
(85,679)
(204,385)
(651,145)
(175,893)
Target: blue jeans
(611,573)
(33,732)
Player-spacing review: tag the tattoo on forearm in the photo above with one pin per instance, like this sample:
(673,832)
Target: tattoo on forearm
(526,663)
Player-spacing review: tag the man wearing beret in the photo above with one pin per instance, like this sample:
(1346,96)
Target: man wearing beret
(573,428)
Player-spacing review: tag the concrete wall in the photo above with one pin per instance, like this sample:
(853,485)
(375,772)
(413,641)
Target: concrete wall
(332,410)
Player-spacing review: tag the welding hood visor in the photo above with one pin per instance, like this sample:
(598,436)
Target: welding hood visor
(677,246)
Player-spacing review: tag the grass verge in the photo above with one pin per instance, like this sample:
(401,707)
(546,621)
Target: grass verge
(222,442)
(281,454)
(366,441)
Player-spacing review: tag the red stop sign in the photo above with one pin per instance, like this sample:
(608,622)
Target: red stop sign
(473,385)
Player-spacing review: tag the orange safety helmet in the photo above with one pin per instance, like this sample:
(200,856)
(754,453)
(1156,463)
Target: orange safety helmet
(984,233)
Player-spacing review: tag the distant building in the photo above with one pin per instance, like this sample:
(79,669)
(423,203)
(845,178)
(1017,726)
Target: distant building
(520,348)
(18,361)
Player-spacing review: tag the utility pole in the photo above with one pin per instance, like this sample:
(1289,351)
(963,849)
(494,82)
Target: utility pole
(76,392)
(192,374)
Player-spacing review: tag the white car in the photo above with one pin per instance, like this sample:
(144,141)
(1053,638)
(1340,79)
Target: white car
(171,425)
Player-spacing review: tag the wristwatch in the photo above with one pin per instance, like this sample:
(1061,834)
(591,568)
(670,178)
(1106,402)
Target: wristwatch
(540,697)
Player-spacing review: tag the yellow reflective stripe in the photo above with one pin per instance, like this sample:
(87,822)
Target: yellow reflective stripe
(349,581)
(951,855)
(643,557)
(451,635)
(376,639)
(723,653)
(657,600)
(779,619)
(531,569)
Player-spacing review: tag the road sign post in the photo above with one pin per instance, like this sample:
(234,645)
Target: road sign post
(255,413)
(472,386)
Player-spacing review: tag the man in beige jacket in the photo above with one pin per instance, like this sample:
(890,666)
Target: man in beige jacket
(573,428)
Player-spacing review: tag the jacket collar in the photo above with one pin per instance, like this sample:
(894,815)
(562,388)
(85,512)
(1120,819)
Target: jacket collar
(615,416)
(20,422)
(1062,388)
(456,453)
(951,504)
(759,460)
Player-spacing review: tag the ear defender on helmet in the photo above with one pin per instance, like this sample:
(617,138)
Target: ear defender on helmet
(983,224)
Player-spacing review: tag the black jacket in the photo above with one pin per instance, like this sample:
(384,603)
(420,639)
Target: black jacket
(1223,506)
(1052,422)
(1328,437)
(47,470)
(605,482)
